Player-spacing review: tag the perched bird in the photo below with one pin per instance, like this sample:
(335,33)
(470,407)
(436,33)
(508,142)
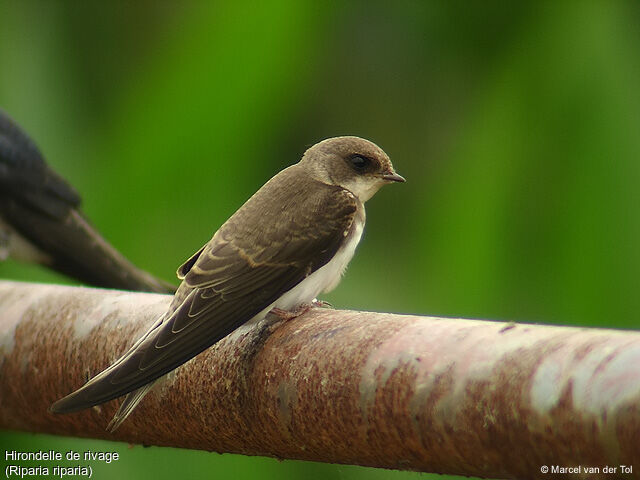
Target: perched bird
(291,241)
(41,221)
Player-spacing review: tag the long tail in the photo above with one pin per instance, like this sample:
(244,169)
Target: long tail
(131,401)
(75,248)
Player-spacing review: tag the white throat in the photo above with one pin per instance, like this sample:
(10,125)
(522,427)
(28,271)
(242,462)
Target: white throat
(364,188)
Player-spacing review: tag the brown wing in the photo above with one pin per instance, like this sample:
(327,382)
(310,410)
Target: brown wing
(286,231)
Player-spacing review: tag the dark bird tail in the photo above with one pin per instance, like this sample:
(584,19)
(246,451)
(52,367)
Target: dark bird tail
(40,210)
(73,247)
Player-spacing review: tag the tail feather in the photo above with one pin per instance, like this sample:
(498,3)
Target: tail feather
(100,389)
(130,402)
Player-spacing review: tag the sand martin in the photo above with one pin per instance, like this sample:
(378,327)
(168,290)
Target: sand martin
(41,221)
(291,241)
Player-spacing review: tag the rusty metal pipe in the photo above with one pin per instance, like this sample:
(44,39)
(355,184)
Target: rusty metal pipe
(440,395)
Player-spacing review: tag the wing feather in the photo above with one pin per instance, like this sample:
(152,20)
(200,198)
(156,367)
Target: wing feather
(266,248)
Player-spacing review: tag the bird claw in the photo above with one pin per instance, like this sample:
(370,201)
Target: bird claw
(290,314)
(321,304)
(300,309)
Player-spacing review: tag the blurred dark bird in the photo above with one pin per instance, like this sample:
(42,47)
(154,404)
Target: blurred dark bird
(41,221)
(291,241)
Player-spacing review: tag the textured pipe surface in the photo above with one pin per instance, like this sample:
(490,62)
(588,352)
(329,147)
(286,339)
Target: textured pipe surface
(432,394)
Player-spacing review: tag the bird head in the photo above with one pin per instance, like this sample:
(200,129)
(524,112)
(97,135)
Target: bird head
(352,163)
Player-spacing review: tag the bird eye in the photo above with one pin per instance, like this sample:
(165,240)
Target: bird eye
(359,163)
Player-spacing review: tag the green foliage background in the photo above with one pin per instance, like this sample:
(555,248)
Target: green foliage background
(517,125)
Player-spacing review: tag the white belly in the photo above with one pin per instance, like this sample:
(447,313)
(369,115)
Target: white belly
(326,278)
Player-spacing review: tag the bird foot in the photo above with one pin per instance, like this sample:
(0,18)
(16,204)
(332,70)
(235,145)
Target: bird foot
(300,309)
(321,304)
(290,314)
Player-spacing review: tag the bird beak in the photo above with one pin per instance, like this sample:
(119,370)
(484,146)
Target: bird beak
(393,177)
